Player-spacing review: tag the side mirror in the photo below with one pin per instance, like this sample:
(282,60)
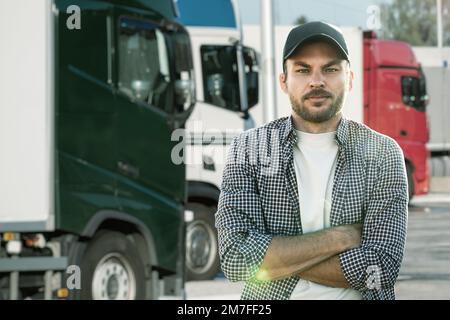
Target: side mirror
(424,98)
(251,63)
(184,85)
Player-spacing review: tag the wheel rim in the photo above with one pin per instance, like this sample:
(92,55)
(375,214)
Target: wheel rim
(201,247)
(113,279)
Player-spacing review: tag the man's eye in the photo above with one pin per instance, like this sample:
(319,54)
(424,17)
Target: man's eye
(302,71)
(331,70)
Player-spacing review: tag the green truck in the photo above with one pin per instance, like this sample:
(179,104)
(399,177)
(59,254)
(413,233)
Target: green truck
(92,199)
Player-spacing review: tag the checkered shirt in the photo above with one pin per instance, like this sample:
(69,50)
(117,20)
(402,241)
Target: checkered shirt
(259,200)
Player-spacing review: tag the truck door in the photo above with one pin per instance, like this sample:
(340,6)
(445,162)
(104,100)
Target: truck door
(146,106)
(150,85)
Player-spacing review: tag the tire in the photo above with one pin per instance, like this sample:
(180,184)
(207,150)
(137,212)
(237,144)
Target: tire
(202,254)
(409,175)
(111,269)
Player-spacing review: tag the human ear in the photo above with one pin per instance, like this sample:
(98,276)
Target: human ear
(350,80)
(282,80)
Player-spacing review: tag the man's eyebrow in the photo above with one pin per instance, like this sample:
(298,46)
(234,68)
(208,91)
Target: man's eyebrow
(332,63)
(302,64)
(328,64)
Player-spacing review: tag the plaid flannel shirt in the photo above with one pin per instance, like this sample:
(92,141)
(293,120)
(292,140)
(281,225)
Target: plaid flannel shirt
(259,200)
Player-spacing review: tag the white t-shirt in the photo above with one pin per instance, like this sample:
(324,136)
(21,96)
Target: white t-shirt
(315,157)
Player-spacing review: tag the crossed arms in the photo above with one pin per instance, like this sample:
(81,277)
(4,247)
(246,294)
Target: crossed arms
(313,256)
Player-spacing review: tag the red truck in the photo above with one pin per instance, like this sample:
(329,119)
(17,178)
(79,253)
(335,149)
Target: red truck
(395,100)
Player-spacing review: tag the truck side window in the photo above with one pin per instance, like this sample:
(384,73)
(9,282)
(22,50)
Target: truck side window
(220,76)
(143,62)
(414,92)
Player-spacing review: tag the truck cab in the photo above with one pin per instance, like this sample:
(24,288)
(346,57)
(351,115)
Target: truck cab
(395,100)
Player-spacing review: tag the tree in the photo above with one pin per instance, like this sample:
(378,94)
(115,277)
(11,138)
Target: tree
(412,21)
(301,20)
(446,21)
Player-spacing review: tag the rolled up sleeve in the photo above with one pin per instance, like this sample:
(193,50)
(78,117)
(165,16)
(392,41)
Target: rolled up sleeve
(376,263)
(242,244)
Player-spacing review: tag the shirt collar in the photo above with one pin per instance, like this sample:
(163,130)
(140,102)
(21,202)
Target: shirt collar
(341,132)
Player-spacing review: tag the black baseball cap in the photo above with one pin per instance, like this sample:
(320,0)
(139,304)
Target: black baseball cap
(315,30)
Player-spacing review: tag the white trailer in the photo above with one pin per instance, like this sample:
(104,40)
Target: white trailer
(26,116)
(27,133)
(436,67)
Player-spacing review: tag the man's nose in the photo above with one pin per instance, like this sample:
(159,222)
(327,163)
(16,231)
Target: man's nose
(317,80)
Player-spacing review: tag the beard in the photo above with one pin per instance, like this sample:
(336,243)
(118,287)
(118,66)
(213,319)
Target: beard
(311,114)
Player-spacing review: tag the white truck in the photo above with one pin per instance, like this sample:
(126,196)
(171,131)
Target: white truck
(226,74)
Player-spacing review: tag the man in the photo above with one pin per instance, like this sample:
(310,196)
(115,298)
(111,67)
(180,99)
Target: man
(313,206)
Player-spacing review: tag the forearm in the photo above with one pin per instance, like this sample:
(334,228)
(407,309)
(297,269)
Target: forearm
(287,256)
(328,273)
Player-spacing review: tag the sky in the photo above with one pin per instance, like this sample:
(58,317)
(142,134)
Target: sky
(339,12)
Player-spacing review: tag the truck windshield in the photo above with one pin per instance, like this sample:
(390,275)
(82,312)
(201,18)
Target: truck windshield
(143,62)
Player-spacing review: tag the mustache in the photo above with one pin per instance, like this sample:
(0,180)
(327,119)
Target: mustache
(317,93)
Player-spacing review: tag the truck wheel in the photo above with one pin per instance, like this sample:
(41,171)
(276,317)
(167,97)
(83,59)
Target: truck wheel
(111,269)
(202,254)
(410,181)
